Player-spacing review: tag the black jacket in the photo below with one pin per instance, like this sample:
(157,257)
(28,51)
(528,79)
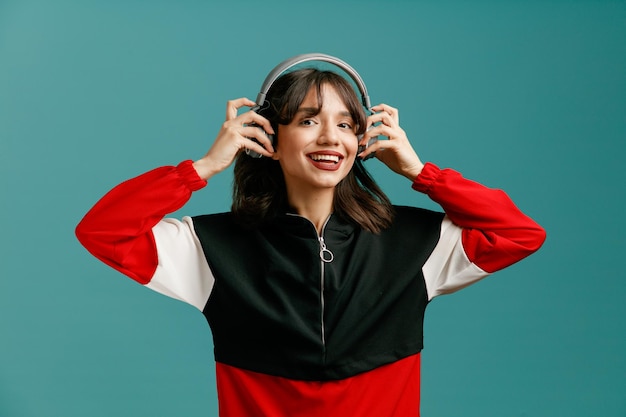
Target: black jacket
(279,309)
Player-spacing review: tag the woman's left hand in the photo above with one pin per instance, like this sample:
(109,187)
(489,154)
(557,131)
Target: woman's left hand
(397,152)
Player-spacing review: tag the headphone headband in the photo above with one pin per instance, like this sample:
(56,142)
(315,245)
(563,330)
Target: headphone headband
(298,59)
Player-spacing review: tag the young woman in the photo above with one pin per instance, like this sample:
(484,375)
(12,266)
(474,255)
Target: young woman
(314,285)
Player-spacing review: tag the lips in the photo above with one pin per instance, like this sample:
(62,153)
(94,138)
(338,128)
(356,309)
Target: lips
(328,161)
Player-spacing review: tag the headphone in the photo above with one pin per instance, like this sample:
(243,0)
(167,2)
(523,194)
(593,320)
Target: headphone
(261,101)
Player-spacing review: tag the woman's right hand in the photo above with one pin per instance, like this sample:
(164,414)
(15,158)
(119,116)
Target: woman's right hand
(235,136)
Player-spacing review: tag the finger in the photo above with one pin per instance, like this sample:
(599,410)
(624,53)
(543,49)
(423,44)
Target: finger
(377,148)
(254,133)
(370,132)
(382,117)
(373,149)
(393,133)
(253,117)
(392,111)
(386,108)
(253,146)
(233,105)
(367,136)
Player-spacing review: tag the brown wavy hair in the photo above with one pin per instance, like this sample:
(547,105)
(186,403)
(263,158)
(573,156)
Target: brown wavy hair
(259,191)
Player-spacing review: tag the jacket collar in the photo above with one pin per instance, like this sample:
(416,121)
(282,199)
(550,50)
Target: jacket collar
(294,224)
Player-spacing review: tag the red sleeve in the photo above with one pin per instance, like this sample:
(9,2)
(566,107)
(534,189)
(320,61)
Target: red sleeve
(496,233)
(118,229)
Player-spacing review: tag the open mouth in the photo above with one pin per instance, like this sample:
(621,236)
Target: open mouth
(325,158)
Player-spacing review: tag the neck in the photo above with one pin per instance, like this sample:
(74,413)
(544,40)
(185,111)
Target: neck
(315,206)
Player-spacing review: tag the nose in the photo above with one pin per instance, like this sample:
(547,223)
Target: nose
(329,135)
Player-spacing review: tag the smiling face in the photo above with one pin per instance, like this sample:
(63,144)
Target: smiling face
(313,172)
(316,150)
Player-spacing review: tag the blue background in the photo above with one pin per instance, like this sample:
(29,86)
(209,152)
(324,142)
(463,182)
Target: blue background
(526,96)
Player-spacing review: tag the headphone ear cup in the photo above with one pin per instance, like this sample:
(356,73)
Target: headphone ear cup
(254,154)
(367,145)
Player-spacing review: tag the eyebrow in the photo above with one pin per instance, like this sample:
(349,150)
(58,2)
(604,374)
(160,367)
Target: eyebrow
(316,110)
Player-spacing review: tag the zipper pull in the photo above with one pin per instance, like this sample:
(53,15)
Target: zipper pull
(325,254)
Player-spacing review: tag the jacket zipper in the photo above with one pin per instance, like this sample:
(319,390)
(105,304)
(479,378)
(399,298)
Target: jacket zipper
(326,256)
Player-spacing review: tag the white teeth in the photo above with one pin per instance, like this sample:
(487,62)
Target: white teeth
(331,158)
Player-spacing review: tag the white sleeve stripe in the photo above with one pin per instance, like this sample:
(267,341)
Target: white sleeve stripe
(183,272)
(448,269)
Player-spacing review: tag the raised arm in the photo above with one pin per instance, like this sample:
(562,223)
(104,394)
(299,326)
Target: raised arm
(483,230)
(495,233)
(118,229)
